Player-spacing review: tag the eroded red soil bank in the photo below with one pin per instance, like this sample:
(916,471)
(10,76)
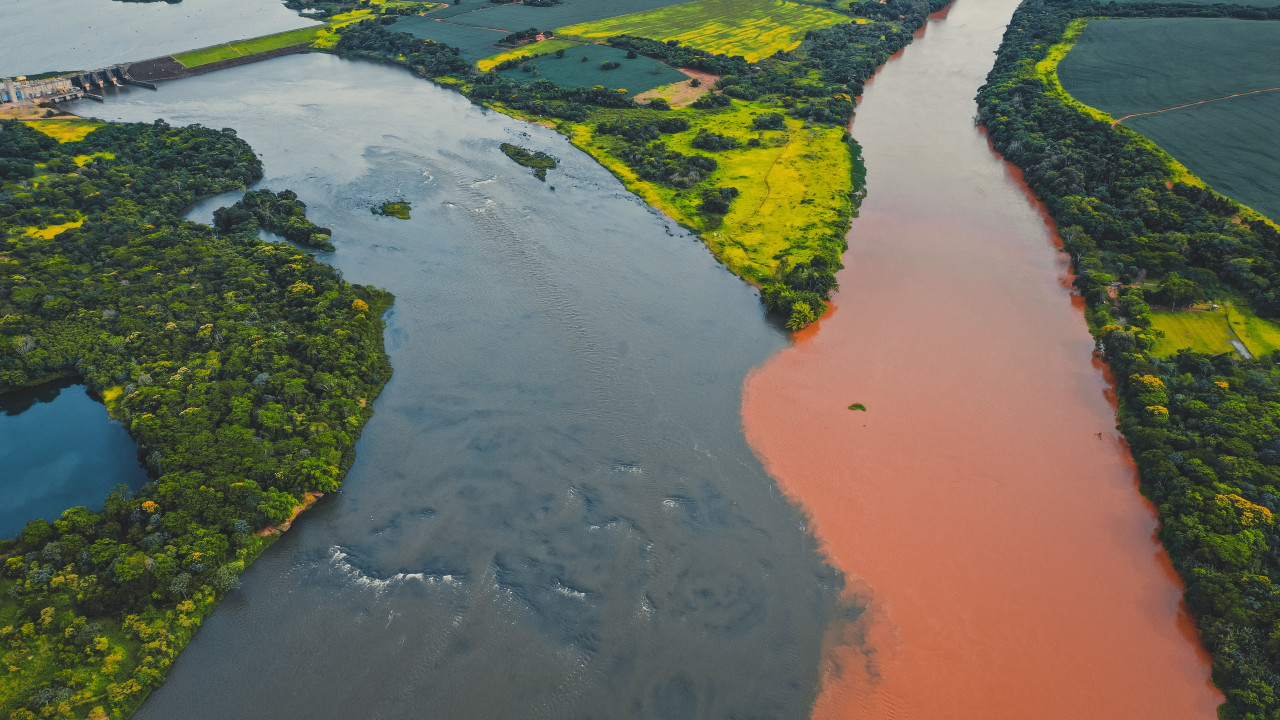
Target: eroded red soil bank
(984,504)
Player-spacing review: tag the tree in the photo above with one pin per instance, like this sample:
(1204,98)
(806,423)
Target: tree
(1179,291)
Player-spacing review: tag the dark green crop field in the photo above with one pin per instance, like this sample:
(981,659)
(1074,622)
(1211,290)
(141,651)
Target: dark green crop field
(572,12)
(1131,66)
(473,42)
(1124,67)
(1233,145)
(636,75)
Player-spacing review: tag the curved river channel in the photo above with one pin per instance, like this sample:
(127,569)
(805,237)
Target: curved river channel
(555,513)
(984,506)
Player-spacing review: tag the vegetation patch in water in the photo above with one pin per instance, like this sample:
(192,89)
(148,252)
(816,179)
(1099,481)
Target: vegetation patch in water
(244,370)
(394,208)
(538,160)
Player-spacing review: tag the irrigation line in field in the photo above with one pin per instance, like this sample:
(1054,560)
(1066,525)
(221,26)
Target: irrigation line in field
(1201,102)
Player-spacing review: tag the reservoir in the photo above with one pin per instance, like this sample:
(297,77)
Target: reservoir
(59,449)
(553,512)
(67,35)
(984,506)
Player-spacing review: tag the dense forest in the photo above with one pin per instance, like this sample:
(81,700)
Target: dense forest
(816,82)
(1205,430)
(244,370)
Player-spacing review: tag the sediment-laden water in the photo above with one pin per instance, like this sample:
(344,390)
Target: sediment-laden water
(984,504)
(554,512)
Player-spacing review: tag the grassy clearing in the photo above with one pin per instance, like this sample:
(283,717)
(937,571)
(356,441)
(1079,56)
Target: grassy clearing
(752,28)
(794,188)
(65,129)
(240,48)
(546,47)
(83,160)
(1210,331)
(48,233)
(635,76)
(1133,66)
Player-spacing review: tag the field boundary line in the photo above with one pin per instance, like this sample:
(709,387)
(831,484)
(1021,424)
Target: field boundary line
(1200,102)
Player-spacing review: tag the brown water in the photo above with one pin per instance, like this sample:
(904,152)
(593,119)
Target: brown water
(984,505)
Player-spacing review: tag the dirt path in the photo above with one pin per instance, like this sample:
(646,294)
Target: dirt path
(1201,102)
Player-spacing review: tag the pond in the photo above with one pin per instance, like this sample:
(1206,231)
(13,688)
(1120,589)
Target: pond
(59,449)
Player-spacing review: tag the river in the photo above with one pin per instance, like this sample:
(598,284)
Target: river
(984,506)
(553,512)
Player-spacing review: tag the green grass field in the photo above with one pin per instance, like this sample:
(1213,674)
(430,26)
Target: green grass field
(1210,331)
(1124,67)
(794,188)
(195,58)
(534,49)
(752,28)
(635,76)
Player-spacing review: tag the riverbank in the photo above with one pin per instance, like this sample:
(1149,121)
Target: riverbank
(982,507)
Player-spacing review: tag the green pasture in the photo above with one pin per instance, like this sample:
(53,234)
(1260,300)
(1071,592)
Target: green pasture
(1123,67)
(794,187)
(531,50)
(751,28)
(635,75)
(473,43)
(1210,331)
(252,46)
(514,17)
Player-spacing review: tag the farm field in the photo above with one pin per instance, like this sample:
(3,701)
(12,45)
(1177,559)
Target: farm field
(519,17)
(1123,67)
(531,50)
(753,29)
(635,76)
(794,187)
(1210,331)
(473,43)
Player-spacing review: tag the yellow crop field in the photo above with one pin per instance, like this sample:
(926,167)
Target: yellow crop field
(538,48)
(754,29)
(65,129)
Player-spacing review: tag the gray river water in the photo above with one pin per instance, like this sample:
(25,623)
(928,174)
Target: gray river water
(553,512)
(66,35)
